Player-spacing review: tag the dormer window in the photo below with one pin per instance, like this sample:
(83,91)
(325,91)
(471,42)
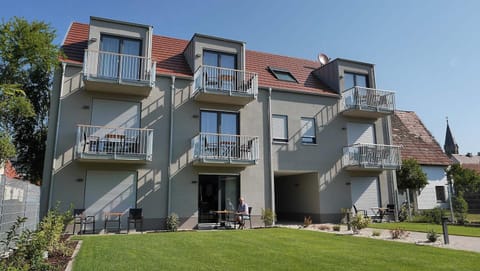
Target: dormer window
(119,54)
(355,79)
(218,59)
(282,74)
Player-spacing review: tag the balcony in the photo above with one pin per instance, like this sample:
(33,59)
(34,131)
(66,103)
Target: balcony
(118,73)
(113,144)
(227,86)
(368,102)
(228,150)
(371,157)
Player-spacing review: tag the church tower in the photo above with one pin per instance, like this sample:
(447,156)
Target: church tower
(450,147)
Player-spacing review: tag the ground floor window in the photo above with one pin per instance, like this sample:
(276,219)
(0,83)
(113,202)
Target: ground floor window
(216,192)
(440,192)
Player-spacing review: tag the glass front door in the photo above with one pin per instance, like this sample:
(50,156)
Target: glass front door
(216,192)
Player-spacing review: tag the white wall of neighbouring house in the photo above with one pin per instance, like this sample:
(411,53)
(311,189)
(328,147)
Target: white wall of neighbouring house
(427,198)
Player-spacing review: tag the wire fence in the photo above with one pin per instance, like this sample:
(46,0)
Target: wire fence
(18,198)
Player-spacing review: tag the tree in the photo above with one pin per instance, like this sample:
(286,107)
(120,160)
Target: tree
(27,59)
(14,107)
(464,179)
(411,177)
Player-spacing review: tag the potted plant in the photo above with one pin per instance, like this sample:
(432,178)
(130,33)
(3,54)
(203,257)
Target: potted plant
(268,217)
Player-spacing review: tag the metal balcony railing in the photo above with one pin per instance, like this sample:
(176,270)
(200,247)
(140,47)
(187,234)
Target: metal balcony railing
(119,67)
(225,147)
(368,99)
(114,143)
(233,82)
(372,156)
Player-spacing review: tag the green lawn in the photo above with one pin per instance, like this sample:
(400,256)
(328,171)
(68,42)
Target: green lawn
(262,249)
(425,227)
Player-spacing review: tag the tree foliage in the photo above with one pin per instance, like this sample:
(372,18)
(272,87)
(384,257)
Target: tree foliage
(27,60)
(464,179)
(14,107)
(411,176)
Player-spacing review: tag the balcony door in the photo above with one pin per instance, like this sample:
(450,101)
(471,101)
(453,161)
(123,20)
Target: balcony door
(216,192)
(119,58)
(220,132)
(220,74)
(355,79)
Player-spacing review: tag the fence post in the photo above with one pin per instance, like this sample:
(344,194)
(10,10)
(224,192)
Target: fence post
(2,188)
(25,196)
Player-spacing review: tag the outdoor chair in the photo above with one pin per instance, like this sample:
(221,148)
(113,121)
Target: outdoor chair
(357,211)
(135,216)
(79,218)
(246,217)
(390,212)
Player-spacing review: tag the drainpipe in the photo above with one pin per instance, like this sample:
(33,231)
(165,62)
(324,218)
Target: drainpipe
(52,172)
(170,147)
(272,179)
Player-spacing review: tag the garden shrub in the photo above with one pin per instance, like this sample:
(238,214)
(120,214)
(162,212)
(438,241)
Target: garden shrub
(336,227)
(172,222)
(460,207)
(307,221)
(430,216)
(26,249)
(398,233)
(268,217)
(432,235)
(376,233)
(359,222)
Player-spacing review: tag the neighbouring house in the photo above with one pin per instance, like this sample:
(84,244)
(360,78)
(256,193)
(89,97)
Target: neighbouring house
(418,143)
(188,126)
(469,161)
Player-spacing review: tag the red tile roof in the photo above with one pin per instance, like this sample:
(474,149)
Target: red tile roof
(416,141)
(168,52)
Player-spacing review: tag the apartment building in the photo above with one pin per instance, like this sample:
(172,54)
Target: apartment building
(189,126)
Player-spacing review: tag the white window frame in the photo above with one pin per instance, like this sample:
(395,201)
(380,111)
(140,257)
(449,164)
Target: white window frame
(313,138)
(283,139)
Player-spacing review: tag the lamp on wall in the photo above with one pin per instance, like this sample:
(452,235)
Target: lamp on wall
(198,55)
(92,40)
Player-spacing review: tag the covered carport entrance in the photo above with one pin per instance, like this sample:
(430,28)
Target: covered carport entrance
(297,195)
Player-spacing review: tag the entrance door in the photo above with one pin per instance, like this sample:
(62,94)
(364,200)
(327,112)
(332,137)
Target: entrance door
(365,194)
(216,192)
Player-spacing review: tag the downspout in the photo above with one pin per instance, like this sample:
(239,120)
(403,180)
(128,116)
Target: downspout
(270,141)
(59,109)
(170,147)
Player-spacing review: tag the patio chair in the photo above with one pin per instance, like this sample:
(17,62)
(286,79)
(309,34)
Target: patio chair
(135,216)
(390,212)
(79,218)
(357,211)
(246,217)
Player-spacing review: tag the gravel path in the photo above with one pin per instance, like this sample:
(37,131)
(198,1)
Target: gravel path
(419,238)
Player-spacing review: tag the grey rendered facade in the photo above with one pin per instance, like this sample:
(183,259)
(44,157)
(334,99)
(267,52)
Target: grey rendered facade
(168,141)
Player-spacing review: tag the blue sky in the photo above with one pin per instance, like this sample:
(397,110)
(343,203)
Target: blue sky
(427,51)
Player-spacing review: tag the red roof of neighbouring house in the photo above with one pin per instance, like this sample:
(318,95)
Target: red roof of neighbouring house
(168,52)
(416,141)
(10,171)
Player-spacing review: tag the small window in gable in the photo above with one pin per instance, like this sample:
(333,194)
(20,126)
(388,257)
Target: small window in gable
(282,74)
